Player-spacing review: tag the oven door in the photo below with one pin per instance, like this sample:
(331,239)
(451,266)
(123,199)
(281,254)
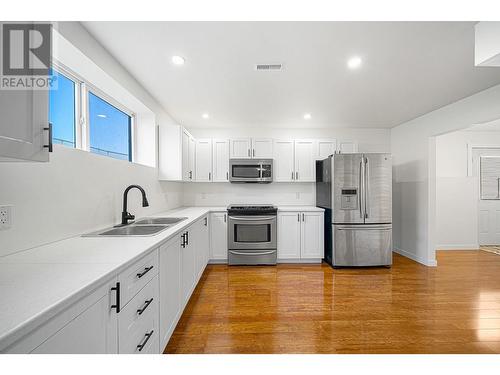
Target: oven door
(252,232)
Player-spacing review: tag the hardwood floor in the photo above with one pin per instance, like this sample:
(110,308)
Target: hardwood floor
(410,308)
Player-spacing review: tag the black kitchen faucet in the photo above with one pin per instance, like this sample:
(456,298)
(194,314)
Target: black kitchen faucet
(126,216)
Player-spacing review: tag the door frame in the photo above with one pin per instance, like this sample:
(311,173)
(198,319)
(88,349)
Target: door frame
(471,147)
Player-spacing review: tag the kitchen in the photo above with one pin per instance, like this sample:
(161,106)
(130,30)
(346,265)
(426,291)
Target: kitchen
(253,223)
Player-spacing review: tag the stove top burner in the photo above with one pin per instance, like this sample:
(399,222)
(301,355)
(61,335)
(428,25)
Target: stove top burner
(255,209)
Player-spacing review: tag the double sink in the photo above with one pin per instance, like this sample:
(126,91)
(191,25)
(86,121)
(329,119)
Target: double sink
(144,227)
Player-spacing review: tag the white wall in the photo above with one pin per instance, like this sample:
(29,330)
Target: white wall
(77,191)
(279,193)
(414,182)
(456,192)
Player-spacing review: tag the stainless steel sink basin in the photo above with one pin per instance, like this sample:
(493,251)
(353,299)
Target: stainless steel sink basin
(130,230)
(160,220)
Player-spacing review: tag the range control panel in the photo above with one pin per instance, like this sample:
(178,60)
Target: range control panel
(349,199)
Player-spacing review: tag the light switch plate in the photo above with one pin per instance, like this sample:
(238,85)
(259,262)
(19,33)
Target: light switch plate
(5,217)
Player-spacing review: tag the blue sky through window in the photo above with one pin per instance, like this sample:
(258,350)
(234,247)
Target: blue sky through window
(109,129)
(62,110)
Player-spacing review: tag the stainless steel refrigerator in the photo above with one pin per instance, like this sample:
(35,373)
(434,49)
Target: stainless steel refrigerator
(356,192)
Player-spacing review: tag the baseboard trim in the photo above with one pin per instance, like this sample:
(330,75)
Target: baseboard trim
(217,261)
(458,247)
(425,262)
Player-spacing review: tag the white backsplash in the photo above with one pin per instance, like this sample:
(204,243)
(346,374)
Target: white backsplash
(223,194)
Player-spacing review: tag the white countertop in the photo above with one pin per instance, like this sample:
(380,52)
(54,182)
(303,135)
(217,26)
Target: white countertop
(38,283)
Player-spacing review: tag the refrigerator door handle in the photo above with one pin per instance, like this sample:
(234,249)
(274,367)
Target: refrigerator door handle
(371,227)
(366,187)
(361,214)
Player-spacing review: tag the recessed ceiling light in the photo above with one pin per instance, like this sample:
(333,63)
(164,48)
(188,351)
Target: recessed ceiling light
(205,115)
(178,60)
(307,116)
(354,62)
(102,116)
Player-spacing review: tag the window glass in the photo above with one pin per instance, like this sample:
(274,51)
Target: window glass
(62,110)
(109,129)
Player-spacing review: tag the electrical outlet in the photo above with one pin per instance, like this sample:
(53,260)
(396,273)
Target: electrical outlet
(5,217)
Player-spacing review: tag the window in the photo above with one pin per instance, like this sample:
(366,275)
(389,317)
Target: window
(109,129)
(62,110)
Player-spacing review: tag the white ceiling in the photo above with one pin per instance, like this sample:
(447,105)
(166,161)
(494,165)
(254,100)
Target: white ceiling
(409,68)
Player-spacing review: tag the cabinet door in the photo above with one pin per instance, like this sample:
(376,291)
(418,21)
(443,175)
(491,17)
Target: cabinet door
(218,236)
(185,156)
(203,160)
(305,161)
(240,148)
(94,331)
(262,148)
(24,116)
(192,160)
(188,265)
(284,168)
(170,288)
(326,147)
(312,230)
(220,160)
(202,242)
(348,147)
(289,224)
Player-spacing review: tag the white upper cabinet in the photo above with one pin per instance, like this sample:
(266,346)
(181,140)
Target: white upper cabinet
(348,147)
(284,167)
(176,154)
(326,147)
(24,115)
(203,160)
(220,160)
(241,148)
(305,164)
(262,148)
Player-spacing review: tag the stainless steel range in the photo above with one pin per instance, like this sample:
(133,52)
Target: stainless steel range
(252,235)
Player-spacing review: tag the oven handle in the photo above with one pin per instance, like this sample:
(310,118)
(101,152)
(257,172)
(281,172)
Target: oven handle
(243,253)
(254,218)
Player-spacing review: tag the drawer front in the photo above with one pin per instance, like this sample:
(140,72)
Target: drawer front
(138,322)
(137,276)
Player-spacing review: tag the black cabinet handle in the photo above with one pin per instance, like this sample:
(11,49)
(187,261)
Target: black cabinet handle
(187,238)
(147,336)
(206,221)
(146,270)
(147,303)
(50,145)
(183,244)
(117,305)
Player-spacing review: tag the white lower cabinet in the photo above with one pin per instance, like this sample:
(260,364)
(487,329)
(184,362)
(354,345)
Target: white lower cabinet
(300,236)
(289,224)
(138,322)
(170,288)
(137,310)
(218,237)
(87,327)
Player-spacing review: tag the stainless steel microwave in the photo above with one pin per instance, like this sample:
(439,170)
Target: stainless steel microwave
(251,170)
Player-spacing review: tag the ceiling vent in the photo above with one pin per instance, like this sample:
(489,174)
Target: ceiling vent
(269,67)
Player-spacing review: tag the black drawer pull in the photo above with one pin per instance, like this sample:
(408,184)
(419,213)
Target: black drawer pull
(117,305)
(146,270)
(147,336)
(147,303)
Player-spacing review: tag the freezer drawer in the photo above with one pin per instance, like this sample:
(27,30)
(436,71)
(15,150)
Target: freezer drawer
(362,245)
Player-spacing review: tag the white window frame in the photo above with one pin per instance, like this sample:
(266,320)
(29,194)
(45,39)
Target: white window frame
(82,124)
